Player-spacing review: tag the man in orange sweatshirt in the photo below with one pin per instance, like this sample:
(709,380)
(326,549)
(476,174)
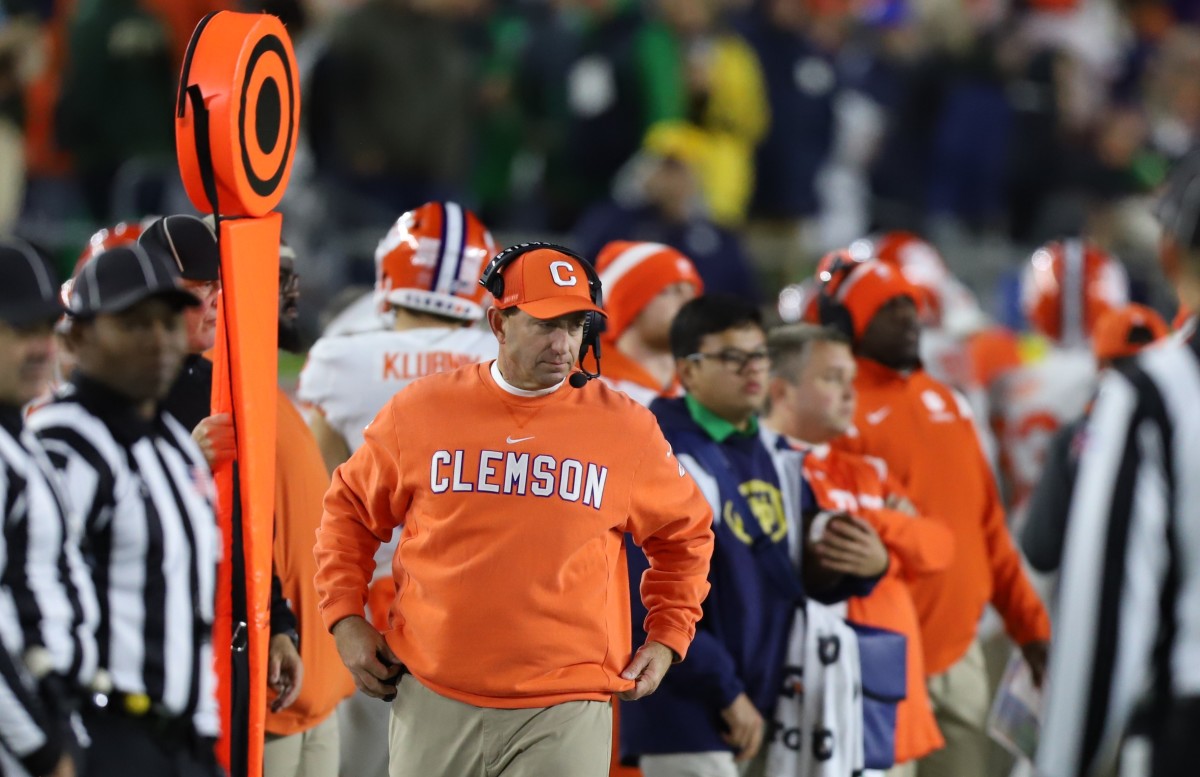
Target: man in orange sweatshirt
(812,399)
(924,431)
(302,730)
(514,487)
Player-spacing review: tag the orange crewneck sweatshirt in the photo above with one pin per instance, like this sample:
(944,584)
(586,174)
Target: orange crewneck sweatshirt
(510,572)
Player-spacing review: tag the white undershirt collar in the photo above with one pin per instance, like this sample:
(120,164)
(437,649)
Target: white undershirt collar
(519,392)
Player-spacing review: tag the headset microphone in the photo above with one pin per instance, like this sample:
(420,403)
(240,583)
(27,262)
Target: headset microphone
(580,379)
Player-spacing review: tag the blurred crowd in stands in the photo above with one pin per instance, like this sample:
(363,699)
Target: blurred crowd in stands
(753,135)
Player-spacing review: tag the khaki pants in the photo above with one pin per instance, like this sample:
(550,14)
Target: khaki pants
(312,753)
(363,722)
(906,769)
(960,700)
(432,736)
(711,764)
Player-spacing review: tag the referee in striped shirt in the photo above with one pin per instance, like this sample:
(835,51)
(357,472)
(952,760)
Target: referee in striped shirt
(1127,646)
(46,600)
(142,490)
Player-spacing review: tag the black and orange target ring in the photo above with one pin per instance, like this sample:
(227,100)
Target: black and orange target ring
(237,118)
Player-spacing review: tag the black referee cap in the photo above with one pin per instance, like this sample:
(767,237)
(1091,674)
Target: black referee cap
(121,277)
(188,243)
(29,293)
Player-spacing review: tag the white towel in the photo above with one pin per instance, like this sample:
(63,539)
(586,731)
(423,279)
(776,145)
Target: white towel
(817,731)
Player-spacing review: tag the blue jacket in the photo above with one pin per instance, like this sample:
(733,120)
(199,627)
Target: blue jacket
(802,81)
(741,640)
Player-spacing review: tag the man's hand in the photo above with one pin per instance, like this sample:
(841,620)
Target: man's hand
(900,504)
(64,768)
(366,654)
(215,437)
(647,668)
(285,671)
(850,546)
(745,727)
(1037,655)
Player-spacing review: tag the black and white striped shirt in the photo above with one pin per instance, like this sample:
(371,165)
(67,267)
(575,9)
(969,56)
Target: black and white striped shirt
(27,733)
(1129,630)
(44,572)
(145,496)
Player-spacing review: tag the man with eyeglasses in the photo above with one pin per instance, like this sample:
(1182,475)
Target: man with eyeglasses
(708,715)
(302,734)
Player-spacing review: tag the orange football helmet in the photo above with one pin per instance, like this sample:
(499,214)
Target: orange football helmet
(1067,285)
(430,261)
(802,301)
(122,233)
(921,265)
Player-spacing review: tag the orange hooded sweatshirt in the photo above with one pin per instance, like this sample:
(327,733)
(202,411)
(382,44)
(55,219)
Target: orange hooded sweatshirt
(300,483)
(924,432)
(916,546)
(511,589)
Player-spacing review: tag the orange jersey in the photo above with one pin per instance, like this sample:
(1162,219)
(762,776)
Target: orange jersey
(300,483)
(917,546)
(627,375)
(510,570)
(926,434)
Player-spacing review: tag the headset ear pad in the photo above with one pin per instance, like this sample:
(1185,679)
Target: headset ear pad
(836,315)
(493,274)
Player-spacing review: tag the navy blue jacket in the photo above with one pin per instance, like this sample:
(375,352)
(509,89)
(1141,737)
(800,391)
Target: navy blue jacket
(801,84)
(741,640)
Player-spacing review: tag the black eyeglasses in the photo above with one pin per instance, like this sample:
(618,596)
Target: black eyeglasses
(734,359)
(289,282)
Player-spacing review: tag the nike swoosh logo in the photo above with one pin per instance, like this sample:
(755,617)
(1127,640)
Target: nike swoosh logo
(877,416)
(511,440)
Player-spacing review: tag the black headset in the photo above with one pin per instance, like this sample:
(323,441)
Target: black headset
(830,311)
(493,280)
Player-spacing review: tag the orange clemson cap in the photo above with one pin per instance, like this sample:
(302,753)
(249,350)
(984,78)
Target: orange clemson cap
(546,283)
(1124,331)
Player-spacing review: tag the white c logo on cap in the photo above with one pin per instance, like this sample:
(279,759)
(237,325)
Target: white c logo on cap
(570,280)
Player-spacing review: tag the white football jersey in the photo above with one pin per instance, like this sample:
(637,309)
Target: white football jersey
(361,315)
(1031,403)
(349,378)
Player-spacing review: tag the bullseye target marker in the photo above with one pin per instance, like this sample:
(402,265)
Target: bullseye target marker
(237,118)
